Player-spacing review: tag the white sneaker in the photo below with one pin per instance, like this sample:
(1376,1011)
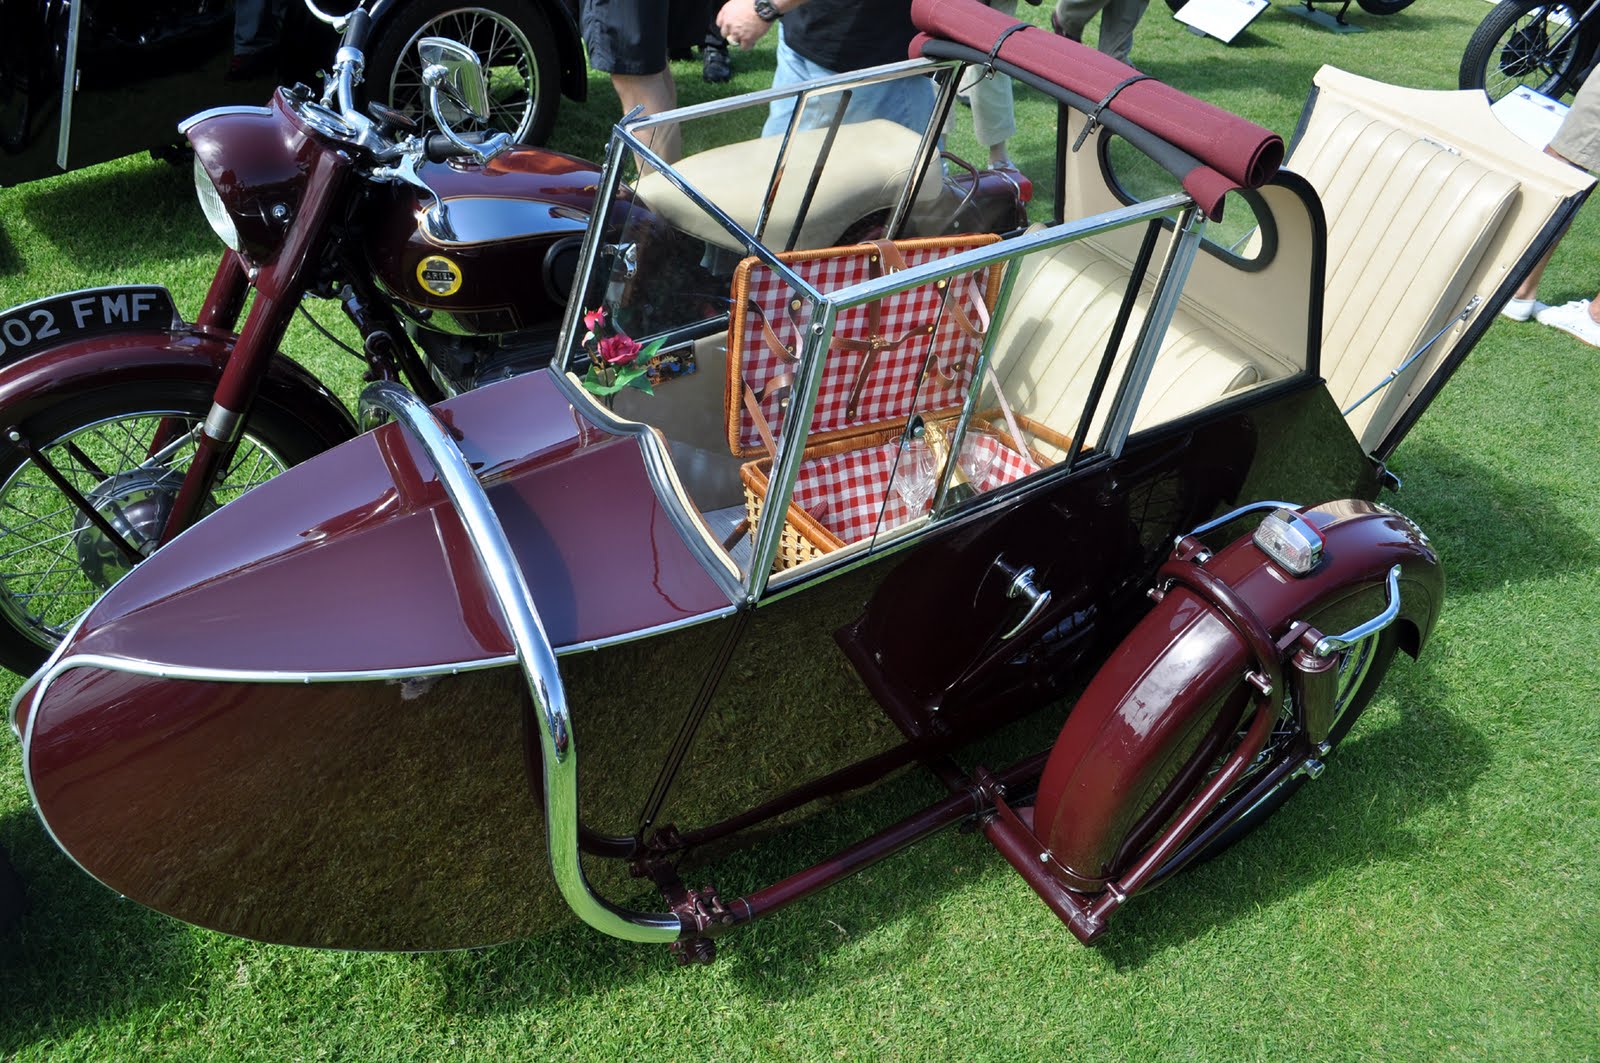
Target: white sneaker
(1523,309)
(1573,319)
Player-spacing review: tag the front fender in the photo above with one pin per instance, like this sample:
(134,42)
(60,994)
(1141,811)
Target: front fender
(184,356)
(1177,680)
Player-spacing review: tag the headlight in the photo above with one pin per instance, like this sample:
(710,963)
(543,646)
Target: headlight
(211,203)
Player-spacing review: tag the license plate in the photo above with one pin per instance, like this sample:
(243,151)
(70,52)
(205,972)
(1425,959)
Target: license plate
(63,318)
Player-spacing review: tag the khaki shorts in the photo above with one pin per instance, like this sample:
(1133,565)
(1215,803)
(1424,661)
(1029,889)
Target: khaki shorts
(1578,139)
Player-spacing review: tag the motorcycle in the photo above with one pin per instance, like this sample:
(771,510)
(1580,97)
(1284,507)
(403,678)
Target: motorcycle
(898,495)
(452,255)
(1550,47)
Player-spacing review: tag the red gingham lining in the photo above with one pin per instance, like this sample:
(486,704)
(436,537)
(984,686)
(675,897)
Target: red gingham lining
(846,492)
(890,391)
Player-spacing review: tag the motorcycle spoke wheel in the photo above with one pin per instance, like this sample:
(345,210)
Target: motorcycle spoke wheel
(510,38)
(54,561)
(1543,46)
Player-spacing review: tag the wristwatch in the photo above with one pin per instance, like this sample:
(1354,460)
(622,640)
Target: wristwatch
(768,11)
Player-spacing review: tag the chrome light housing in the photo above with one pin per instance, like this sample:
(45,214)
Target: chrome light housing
(1290,540)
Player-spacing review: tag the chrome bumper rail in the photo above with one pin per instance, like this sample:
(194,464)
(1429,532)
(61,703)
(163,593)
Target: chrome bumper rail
(538,660)
(1332,644)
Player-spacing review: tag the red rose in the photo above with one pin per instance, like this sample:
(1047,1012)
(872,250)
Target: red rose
(618,350)
(594,318)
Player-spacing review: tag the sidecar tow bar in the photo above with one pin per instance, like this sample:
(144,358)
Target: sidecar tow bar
(538,660)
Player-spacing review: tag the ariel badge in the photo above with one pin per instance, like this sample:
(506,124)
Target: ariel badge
(439,275)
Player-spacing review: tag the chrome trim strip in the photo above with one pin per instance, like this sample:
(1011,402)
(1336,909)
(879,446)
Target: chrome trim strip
(1213,525)
(1332,644)
(69,82)
(222,424)
(1169,289)
(217,112)
(538,660)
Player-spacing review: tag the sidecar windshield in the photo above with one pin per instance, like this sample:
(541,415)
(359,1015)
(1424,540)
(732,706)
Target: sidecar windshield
(830,363)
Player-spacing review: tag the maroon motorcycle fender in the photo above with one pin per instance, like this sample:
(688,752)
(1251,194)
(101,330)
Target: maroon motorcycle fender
(181,356)
(1177,682)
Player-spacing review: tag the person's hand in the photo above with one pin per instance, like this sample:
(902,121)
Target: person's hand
(739,23)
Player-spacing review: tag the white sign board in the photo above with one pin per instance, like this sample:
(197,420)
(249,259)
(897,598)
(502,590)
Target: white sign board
(1222,19)
(1532,117)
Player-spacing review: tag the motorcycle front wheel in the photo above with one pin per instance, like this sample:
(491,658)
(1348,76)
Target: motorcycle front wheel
(513,40)
(124,453)
(1537,43)
(1383,7)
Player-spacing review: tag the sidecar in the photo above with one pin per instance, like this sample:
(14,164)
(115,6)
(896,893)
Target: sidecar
(553,646)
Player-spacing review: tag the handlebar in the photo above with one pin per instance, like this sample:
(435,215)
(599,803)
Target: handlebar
(439,148)
(356,29)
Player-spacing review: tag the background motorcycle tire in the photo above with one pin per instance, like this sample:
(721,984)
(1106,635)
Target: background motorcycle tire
(28,509)
(506,35)
(1512,46)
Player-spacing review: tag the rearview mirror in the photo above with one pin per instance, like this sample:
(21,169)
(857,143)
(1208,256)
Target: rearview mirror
(454,69)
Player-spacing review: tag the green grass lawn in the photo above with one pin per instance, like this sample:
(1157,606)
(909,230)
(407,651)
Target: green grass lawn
(1435,895)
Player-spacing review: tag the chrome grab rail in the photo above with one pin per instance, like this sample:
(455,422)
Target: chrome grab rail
(538,661)
(1331,644)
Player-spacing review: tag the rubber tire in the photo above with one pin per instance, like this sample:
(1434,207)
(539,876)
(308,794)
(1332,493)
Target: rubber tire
(1383,7)
(277,428)
(1494,33)
(392,36)
(1388,641)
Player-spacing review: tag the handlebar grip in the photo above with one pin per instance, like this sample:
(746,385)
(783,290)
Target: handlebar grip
(438,147)
(355,31)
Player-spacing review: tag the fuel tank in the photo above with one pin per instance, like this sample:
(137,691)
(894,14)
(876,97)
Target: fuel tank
(498,250)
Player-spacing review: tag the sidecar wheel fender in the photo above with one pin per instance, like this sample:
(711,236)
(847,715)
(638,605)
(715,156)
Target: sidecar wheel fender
(186,357)
(1174,691)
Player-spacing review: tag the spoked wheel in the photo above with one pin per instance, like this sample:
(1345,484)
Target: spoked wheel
(125,454)
(513,40)
(1535,43)
(1361,669)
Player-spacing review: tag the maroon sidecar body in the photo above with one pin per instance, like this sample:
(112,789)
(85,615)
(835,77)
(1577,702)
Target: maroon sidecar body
(1116,474)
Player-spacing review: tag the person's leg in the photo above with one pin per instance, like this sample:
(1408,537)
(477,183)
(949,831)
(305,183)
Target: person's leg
(993,116)
(628,40)
(1576,142)
(655,93)
(1117,23)
(792,68)
(1071,16)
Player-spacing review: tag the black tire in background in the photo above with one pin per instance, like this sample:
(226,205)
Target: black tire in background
(1383,7)
(100,441)
(1532,43)
(513,40)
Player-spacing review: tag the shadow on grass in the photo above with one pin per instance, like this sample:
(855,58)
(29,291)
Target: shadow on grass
(10,261)
(1355,815)
(80,953)
(1500,530)
(106,219)
(1352,816)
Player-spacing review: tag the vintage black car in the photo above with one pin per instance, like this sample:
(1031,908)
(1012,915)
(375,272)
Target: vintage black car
(84,82)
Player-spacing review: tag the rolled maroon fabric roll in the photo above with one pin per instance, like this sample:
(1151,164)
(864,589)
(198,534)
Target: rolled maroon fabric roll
(1246,154)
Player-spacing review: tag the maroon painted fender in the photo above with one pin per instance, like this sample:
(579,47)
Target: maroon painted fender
(183,356)
(1149,707)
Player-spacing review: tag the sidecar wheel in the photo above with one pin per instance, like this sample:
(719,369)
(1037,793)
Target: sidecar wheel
(1361,672)
(125,452)
(513,39)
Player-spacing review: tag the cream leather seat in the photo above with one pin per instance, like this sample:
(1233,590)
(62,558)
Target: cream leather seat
(1054,333)
(1408,222)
